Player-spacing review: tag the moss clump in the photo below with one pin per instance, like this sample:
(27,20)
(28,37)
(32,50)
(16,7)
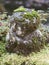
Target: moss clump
(28,13)
(20,9)
(31,15)
(25,15)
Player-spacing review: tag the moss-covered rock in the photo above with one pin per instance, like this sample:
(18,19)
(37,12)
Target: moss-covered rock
(24,36)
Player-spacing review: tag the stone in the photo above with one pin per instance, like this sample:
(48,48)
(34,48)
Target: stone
(24,35)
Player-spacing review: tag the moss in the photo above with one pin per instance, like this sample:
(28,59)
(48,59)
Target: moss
(40,58)
(20,9)
(2,47)
(35,13)
(30,15)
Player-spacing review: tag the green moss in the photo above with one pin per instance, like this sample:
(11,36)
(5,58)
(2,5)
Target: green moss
(28,14)
(20,9)
(40,58)
(35,13)
(31,15)
(2,47)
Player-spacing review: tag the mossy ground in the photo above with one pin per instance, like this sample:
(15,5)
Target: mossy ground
(38,58)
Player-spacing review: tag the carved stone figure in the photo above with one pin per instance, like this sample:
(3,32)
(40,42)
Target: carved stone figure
(23,35)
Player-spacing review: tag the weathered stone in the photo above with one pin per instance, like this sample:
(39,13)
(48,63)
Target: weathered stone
(23,35)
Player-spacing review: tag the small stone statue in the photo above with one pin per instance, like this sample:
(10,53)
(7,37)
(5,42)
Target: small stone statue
(23,35)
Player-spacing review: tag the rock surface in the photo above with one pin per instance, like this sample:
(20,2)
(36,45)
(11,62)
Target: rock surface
(24,36)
